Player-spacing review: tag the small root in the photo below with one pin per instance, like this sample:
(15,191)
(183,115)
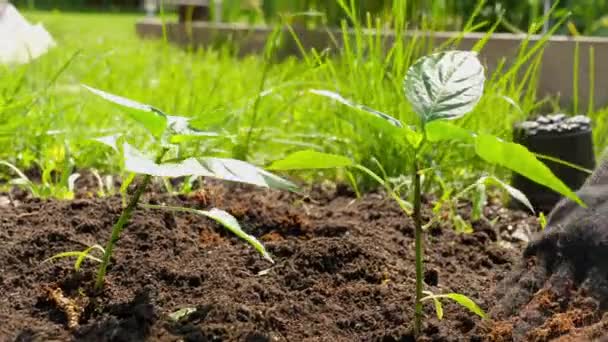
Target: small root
(70,307)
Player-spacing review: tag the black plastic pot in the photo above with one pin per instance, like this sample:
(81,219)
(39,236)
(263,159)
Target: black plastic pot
(565,138)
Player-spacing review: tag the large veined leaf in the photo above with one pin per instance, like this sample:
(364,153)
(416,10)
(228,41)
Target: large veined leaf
(394,127)
(220,168)
(151,118)
(310,159)
(445,85)
(519,159)
(337,97)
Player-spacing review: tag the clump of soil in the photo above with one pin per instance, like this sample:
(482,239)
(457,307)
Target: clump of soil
(344,272)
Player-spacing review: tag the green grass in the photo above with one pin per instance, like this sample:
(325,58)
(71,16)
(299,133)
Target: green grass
(219,91)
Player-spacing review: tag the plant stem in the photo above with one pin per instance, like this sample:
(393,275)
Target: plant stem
(119,225)
(419,249)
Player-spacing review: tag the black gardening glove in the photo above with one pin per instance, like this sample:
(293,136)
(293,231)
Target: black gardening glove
(564,267)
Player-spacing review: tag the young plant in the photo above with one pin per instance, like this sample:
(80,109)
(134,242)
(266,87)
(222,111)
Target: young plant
(440,87)
(166,131)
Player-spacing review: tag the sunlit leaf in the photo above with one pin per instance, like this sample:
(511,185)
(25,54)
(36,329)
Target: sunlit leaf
(181,313)
(110,140)
(515,193)
(243,172)
(151,118)
(480,200)
(463,300)
(227,221)
(436,302)
(337,97)
(310,159)
(221,168)
(181,130)
(136,162)
(445,85)
(519,159)
(441,130)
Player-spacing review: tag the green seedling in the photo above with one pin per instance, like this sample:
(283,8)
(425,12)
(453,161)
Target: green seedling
(79,255)
(463,301)
(47,188)
(441,87)
(165,131)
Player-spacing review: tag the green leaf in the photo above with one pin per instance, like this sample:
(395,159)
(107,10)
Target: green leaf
(445,85)
(86,254)
(480,200)
(442,130)
(181,313)
(230,223)
(337,97)
(221,168)
(519,159)
(226,220)
(243,172)
(515,193)
(463,300)
(542,220)
(461,226)
(436,302)
(137,162)
(181,130)
(79,255)
(310,159)
(151,118)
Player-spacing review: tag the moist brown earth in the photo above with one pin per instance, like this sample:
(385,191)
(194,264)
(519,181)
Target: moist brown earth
(344,271)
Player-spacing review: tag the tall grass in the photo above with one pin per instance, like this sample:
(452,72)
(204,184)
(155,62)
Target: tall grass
(259,105)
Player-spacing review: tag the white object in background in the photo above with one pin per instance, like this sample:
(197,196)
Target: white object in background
(20,41)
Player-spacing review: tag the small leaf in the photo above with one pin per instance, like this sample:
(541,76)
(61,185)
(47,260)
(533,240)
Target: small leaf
(480,200)
(442,130)
(515,193)
(445,85)
(181,130)
(181,313)
(86,254)
(151,118)
(310,159)
(461,226)
(519,159)
(542,220)
(463,300)
(436,302)
(226,220)
(337,97)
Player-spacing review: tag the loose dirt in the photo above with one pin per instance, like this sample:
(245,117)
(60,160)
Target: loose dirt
(344,271)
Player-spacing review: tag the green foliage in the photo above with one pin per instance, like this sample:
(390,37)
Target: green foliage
(310,160)
(227,221)
(444,85)
(441,86)
(163,127)
(462,300)
(519,159)
(79,255)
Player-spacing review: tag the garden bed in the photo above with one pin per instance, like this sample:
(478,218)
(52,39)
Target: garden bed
(344,272)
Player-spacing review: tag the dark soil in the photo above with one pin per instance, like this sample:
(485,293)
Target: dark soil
(344,272)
